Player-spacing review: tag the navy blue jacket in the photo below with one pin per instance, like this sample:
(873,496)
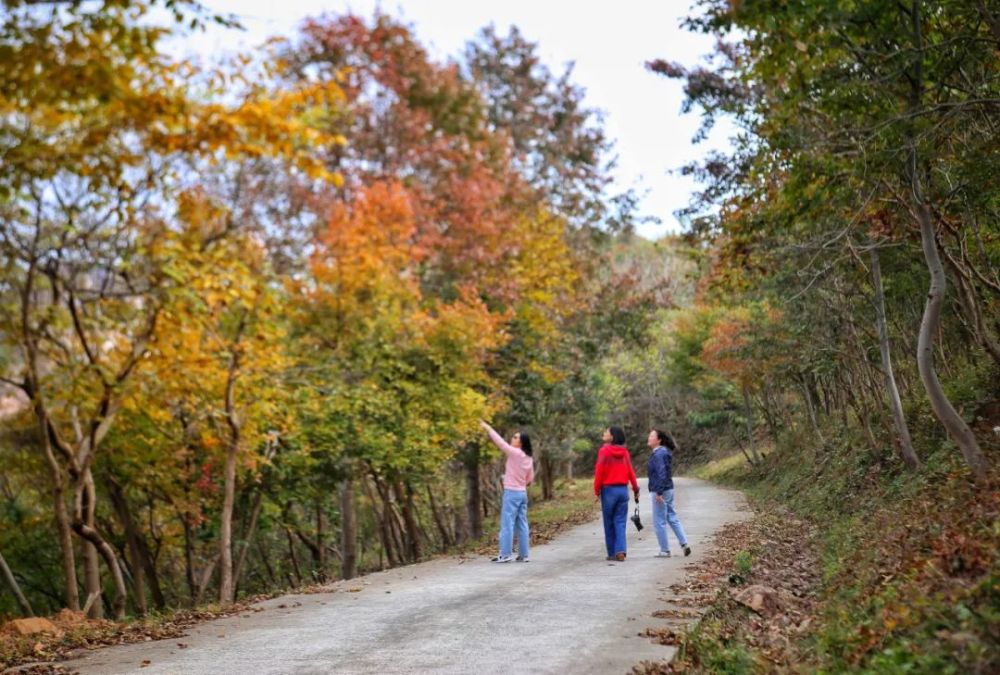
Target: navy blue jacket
(661,477)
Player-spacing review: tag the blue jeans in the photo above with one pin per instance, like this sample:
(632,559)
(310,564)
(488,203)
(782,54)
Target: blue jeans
(664,513)
(514,513)
(614,508)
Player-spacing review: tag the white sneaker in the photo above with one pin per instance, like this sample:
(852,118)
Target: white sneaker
(522,559)
(502,559)
(663,554)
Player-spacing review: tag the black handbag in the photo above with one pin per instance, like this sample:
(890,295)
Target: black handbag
(635,519)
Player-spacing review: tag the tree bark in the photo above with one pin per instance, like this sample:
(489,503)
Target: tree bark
(8,577)
(189,559)
(931,322)
(748,415)
(472,492)
(226,527)
(905,443)
(131,538)
(65,529)
(142,557)
(439,521)
(348,529)
(293,557)
(811,410)
(392,518)
(382,517)
(204,579)
(92,579)
(248,538)
(320,546)
(548,477)
(942,406)
(92,536)
(404,495)
(226,590)
(84,526)
(267,563)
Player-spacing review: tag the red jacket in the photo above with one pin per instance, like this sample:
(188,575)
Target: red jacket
(614,467)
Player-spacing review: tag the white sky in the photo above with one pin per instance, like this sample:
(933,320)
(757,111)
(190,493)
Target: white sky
(609,43)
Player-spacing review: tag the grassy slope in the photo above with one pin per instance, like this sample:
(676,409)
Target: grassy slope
(910,563)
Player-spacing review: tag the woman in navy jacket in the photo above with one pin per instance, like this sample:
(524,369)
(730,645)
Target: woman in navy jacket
(661,490)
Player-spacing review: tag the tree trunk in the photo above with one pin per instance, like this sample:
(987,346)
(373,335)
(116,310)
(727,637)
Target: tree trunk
(811,410)
(189,559)
(91,560)
(92,579)
(931,321)
(382,518)
(439,521)
(248,538)
(348,530)
(862,415)
(226,527)
(144,567)
(392,518)
(548,479)
(943,409)
(404,495)
(131,537)
(472,492)
(226,589)
(8,577)
(64,526)
(65,529)
(748,416)
(906,450)
(92,536)
(84,526)
(267,563)
(293,557)
(204,579)
(320,546)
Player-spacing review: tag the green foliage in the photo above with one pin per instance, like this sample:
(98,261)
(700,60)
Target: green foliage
(743,563)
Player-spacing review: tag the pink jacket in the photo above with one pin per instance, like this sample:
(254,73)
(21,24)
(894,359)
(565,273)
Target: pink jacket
(520,469)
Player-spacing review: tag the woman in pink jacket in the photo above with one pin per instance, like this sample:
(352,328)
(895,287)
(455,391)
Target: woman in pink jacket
(518,473)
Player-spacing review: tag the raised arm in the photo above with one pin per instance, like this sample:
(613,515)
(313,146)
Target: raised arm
(498,439)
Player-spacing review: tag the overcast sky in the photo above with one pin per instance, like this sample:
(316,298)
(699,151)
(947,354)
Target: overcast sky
(609,42)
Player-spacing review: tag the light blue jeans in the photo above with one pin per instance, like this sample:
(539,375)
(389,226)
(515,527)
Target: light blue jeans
(664,513)
(514,514)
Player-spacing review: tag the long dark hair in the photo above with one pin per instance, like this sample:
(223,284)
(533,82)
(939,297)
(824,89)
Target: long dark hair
(665,439)
(525,443)
(617,435)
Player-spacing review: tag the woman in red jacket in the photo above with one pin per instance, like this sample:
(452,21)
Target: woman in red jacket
(612,474)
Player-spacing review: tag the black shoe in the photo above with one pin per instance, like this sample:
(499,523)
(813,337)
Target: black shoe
(687,550)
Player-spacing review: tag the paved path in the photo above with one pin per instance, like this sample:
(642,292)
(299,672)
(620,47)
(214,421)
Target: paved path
(567,611)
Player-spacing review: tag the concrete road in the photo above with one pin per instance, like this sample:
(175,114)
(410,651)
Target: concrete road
(567,611)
